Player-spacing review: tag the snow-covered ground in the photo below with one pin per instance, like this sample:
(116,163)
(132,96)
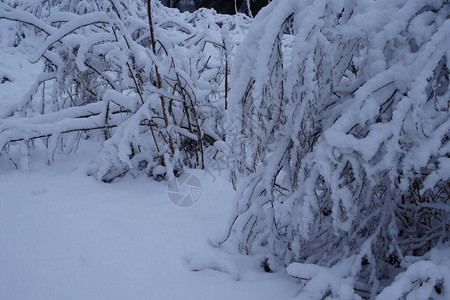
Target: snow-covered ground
(64,235)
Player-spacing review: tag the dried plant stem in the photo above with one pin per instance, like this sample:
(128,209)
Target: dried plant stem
(158,76)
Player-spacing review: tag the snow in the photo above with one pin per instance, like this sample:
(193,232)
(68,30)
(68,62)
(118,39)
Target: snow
(363,129)
(64,235)
(422,278)
(81,21)
(320,280)
(16,73)
(337,118)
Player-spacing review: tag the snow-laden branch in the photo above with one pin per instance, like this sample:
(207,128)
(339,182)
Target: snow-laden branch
(339,129)
(102,71)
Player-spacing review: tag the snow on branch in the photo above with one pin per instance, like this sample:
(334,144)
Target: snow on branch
(339,135)
(103,68)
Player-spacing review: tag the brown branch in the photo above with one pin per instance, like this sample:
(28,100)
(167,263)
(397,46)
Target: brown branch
(62,132)
(226,76)
(25,22)
(158,77)
(135,83)
(67,33)
(102,75)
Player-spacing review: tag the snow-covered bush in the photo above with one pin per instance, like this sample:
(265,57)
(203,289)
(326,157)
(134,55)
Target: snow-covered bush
(156,96)
(341,140)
